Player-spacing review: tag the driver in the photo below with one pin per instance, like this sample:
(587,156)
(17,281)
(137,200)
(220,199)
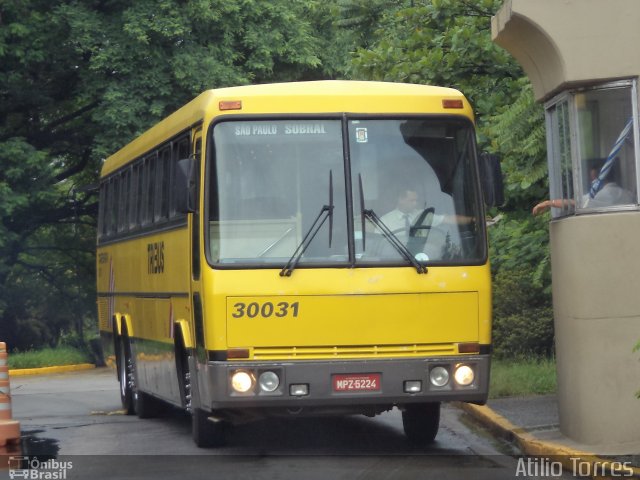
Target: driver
(400,219)
(403,216)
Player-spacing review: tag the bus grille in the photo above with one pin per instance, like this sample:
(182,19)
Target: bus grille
(366,351)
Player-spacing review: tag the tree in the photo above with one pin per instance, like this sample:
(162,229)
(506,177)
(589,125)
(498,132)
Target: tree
(78,80)
(446,43)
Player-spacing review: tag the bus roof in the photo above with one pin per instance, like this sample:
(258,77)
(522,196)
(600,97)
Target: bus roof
(323,97)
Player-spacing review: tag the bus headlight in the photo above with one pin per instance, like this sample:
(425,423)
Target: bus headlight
(464,375)
(268,381)
(242,381)
(439,376)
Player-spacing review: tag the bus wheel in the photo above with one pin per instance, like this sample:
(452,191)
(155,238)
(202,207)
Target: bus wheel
(147,406)
(421,422)
(207,433)
(127,376)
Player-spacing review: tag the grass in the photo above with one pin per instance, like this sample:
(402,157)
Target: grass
(522,376)
(48,357)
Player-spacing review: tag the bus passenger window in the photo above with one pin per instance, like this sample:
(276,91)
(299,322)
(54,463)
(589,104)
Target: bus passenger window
(148,197)
(113,207)
(179,151)
(162,184)
(123,200)
(134,196)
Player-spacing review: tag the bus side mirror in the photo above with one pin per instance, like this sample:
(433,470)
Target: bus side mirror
(186,185)
(491,180)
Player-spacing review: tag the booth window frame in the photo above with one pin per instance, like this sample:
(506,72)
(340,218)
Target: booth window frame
(565,149)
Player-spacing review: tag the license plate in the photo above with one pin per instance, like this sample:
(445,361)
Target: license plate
(361,382)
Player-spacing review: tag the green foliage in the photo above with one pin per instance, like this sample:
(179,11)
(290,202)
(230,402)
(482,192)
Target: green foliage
(442,42)
(361,18)
(523,312)
(517,134)
(48,357)
(519,243)
(523,316)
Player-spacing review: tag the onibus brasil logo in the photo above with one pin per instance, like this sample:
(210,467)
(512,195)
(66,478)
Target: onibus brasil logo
(37,469)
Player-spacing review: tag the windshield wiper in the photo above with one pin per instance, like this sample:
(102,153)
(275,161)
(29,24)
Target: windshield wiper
(387,233)
(325,212)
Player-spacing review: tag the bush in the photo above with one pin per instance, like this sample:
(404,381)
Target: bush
(522,316)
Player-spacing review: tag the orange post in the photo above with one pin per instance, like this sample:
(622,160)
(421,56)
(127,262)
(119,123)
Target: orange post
(9,429)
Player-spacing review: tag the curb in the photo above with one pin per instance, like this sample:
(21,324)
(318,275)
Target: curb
(531,446)
(19,372)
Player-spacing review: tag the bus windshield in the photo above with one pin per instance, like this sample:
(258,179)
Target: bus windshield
(271,179)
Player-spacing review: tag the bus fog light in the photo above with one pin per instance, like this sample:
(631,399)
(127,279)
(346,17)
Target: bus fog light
(413,386)
(299,390)
(464,375)
(242,381)
(268,381)
(439,376)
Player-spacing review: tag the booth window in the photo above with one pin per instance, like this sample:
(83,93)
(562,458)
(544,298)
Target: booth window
(592,155)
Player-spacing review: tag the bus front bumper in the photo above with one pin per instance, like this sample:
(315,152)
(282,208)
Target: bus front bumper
(344,383)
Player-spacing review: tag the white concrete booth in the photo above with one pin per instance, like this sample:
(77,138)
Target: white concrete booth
(582,59)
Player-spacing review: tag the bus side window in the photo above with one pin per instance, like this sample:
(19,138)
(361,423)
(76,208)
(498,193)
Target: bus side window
(113,207)
(134,193)
(140,195)
(151,185)
(123,200)
(148,195)
(180,151)
(162,184)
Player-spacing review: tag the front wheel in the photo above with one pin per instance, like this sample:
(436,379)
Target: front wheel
(421,422)
(207,433)
(147,406)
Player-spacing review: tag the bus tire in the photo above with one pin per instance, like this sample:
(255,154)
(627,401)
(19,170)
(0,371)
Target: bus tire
(147,406)
(126,375)
(421,422)
(207,433)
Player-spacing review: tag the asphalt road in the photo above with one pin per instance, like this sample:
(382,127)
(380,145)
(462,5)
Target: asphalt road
(75,418)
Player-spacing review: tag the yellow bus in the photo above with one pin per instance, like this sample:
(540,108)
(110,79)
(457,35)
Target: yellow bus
(299,249)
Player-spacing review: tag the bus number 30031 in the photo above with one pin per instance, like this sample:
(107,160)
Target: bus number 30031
(266,309)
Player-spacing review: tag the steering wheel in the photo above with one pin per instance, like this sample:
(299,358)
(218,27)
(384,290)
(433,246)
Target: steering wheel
(423,221)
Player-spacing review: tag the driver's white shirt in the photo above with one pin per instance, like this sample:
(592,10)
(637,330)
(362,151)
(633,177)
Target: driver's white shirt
(395,221)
